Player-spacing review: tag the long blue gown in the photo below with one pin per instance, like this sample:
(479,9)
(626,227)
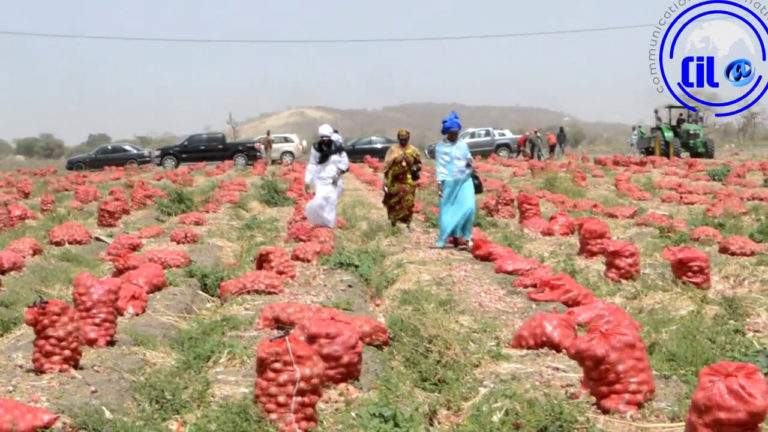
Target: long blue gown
(457,206)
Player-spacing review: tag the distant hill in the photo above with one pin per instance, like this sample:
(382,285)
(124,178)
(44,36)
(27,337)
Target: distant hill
(423,120)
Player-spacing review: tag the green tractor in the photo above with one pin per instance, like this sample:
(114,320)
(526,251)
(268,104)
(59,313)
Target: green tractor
(685,132)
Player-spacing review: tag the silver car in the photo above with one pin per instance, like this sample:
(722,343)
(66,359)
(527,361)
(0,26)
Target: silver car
(285,147)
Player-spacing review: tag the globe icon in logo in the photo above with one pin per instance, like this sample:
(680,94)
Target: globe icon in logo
(731,45)
(713,54)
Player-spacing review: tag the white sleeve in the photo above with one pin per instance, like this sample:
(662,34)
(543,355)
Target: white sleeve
(342,163)
(309,172)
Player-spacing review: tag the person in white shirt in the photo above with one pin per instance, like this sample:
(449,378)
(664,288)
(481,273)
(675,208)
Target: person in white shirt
(327,164)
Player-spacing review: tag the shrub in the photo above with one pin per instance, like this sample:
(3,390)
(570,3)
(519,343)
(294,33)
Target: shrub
(719,173)
(272,192)
(179,201)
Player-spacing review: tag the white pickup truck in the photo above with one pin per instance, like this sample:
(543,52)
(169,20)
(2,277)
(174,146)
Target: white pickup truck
(485,141)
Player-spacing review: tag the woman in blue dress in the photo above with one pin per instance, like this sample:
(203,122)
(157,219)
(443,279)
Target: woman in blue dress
(454,184)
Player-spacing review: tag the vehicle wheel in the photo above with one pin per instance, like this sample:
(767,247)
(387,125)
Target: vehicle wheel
(79,167)
(710,148)
(504,152)
(170,162)
(286,157)
(676,148)
(133,163)
(241,160)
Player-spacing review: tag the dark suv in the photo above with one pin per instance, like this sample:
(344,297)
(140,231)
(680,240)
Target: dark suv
(207,147)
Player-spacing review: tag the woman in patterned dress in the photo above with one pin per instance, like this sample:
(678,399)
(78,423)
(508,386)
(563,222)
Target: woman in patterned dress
(400,164)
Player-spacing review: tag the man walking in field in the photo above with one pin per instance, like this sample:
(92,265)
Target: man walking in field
(266,143)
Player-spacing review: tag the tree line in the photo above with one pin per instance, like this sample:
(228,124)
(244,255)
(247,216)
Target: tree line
(47,146)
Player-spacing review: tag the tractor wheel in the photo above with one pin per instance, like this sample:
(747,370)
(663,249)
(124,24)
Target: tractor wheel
(710,148)
(676,148)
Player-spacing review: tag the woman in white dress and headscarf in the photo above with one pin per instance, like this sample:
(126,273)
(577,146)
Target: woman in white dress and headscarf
(327,163)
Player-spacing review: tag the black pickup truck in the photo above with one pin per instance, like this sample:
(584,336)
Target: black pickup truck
(207,147)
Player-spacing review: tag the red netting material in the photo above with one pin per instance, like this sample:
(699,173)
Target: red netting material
(57,336)
(289,382)
(730,397)
(689,265)
(95,305)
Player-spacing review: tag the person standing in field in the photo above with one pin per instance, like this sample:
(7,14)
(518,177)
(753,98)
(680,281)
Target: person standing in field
(552,141)
(401,165)
(266,143)
(535,140)
(327,163)
(561,140)
(633,141)
(454,167)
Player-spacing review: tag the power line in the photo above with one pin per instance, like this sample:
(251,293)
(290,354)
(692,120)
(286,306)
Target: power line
(316,41)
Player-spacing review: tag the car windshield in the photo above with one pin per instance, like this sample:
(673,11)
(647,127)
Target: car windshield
(465,134)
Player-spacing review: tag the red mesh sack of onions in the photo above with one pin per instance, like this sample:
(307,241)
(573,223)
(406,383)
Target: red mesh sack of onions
(703,233)
(515,265)
(336,341)
(324,237)
(300,231)
(621,212)
(151,232)
(131,300)
(10,262)
(149,276)
(57,336)
(184,236)
(95,305)
(652,219)
(730,397)
(309,252)
(109,213)
(167,258)
(27,247)
(602,311)
(546,330)
(531,278)
(689,265)
(87,194)
(617,371)
(561,288)
(593,234)
(19,417)
(739,246)
(560,224)
(622,261)
(210,208)
(579,179)
(47,204)
(193,218)
(123,242)
(69,233)
(275,259)
(372,331)
(124,260)
(17,214)
(503,206)
(256,282)
(528,207)
(288,314)
(289,382)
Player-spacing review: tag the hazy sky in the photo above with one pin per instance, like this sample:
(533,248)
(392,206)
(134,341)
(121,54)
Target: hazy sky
(73,87)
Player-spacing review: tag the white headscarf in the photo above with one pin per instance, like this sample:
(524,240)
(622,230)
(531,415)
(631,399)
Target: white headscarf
(337,139)
(325,130)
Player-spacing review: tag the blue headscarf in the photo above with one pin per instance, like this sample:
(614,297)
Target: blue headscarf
(451,123)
